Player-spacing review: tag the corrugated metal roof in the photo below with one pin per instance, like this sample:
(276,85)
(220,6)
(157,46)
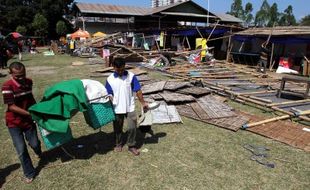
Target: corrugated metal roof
(162,8)
(143,11)
(187,14)
(228,18)
(277,31)
(112,9)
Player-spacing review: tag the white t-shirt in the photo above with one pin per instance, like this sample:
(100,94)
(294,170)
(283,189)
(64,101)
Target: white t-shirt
(123,88)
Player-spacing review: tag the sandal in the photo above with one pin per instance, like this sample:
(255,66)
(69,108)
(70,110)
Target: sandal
(28,180)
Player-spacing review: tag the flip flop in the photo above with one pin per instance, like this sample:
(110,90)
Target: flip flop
(28,180)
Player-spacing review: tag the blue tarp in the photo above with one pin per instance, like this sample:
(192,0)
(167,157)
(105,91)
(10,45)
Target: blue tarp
(194,32)
(276,40)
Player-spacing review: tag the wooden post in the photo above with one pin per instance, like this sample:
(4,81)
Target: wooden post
(199,32)
(212,31)
(157,45)
(228,47)
(189,45)
(271,58)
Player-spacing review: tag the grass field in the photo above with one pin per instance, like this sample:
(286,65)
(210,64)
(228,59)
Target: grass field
(192,155)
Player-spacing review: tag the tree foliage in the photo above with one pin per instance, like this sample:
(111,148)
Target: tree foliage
(273,15)
(61,28)
(248,16)
(236,9)
(21,29)
(15,13)
(40,24)
(244,14)
(305,21)
(263,15)
(288,18)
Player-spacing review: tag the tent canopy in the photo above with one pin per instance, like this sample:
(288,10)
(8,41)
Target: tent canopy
(99,34)
(80,34)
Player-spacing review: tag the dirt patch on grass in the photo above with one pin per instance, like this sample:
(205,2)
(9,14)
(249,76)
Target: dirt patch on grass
(42,70)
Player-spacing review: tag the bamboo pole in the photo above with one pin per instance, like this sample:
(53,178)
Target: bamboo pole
(199,32)
(228,46)
(288,102)
(260,99)
(273,63)
(251,100)
(245,126)
(271,57)
(212,31)
(257,92)
(276,119)
(188,44)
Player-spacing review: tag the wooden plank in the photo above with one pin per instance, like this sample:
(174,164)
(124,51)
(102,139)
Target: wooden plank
(153,87)
(157,97)
(199,111)
(187,111)
(170,97)
(231,123)
(142,78)
(174,85)
(195,91)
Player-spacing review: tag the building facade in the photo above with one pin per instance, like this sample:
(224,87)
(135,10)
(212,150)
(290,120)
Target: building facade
(159,3)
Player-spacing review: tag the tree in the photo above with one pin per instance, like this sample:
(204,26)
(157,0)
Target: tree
(15,13)
(274,15)
(248,16)
(263,15)
(61,28)
(305,21)
(40,24)
(288,18)
(21,29)
(236,9)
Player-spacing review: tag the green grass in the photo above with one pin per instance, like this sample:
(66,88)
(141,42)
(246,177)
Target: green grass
(192,155)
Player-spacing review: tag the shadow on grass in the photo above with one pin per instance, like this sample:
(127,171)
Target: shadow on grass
(145,135)
(7,171)
(87,146)
(80,148)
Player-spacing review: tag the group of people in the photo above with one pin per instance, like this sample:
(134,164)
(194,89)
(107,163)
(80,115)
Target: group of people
(17,95)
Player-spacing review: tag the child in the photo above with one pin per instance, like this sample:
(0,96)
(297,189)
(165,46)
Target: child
(17,94)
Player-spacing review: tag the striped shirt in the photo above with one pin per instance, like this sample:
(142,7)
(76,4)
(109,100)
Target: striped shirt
(21,96)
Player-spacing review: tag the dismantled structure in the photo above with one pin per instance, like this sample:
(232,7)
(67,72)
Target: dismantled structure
(169,39)
(179,24)
(291,43)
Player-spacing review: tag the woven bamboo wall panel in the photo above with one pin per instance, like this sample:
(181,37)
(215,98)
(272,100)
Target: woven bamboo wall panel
(170,97)
(153,87)
(195,91)
(174,85)
(231,123)
(214,108)
(284,131)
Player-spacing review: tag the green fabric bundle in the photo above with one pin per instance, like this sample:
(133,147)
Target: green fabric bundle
(59,104)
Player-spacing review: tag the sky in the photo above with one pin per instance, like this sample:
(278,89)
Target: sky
(301,8)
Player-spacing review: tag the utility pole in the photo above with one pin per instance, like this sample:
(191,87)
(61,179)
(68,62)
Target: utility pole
(208,12)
